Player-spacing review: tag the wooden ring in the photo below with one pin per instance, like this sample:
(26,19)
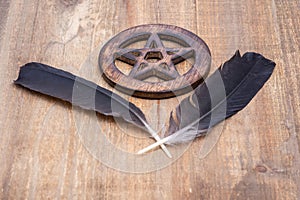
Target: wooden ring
(154,59)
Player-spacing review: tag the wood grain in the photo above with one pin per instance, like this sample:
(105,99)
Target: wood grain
(42,155)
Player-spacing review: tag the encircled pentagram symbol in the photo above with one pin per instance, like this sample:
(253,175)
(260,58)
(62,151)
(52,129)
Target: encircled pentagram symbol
(155,59)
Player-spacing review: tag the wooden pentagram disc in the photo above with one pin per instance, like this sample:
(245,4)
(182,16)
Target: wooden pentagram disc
(159,52)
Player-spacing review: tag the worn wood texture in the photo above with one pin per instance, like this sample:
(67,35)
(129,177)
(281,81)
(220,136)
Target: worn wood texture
(42,156)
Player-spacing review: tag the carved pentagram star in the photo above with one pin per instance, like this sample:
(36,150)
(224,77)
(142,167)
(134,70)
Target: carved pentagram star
(154,60)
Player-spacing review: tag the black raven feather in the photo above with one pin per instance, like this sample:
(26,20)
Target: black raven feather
(80,92)
(227,91)
(60,84)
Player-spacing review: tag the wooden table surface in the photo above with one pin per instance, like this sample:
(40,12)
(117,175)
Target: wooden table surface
(43,155)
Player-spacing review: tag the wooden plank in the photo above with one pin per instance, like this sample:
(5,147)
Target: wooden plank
(42,155)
